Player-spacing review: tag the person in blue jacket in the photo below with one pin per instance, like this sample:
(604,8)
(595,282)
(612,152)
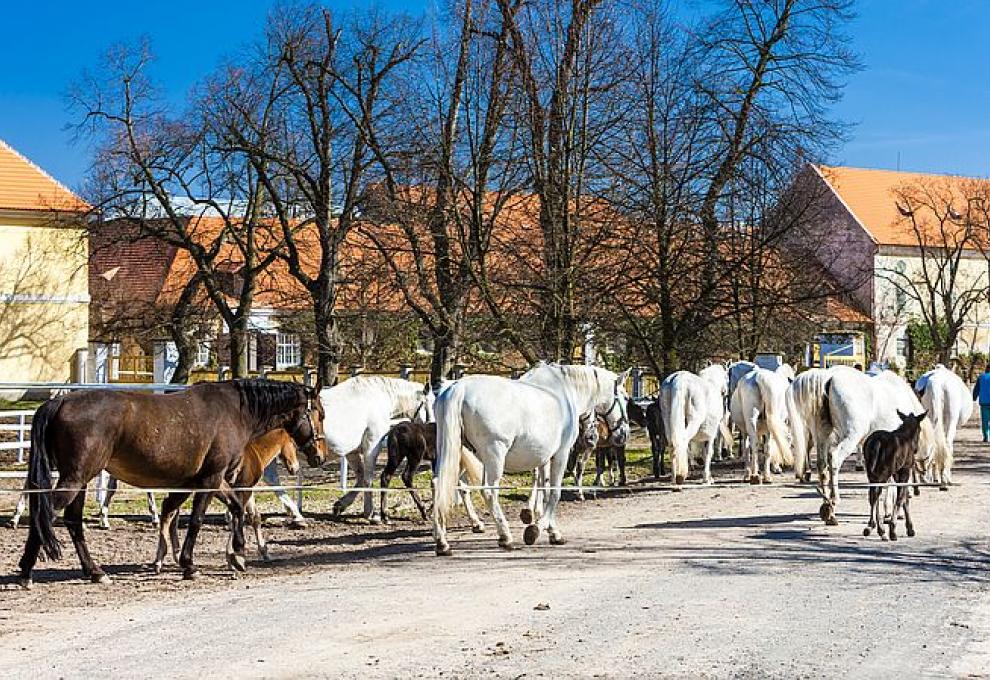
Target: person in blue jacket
(981,392)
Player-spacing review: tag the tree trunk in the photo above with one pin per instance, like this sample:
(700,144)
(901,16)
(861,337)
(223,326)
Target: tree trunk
(239,345)
(445,349)
(327,344)
(187,349)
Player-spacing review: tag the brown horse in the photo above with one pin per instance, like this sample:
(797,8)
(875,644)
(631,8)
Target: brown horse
(189,439)
(257,455)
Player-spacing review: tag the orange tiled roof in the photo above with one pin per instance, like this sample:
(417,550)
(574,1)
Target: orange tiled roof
(25,186)
(873,197)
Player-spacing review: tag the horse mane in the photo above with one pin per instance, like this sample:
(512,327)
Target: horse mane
(266,400)
(393,387)
(592,380)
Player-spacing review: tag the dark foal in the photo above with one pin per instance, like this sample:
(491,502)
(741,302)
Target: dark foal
(189,439)
(892,455)
(658,441)
(413,443)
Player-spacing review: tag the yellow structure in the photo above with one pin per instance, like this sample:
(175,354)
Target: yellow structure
(44,290)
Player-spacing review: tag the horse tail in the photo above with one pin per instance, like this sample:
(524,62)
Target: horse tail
(799,435)
(40,465)
(449,444)
(677,425)
(932,440)
(773,413)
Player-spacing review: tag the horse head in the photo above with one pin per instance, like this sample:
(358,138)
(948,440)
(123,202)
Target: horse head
(616,416)
(305,427)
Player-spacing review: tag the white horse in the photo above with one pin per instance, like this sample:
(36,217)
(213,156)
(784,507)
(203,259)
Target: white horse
(859,405)
(736,371)
(806,405)
(518,426)
(693,411)
(759,409)
(359,412)
(949,404)
(786,371)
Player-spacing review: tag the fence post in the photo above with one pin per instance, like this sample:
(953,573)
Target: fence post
(20,439)
(637,383)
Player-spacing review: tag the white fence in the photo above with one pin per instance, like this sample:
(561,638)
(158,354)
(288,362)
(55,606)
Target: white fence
(19,422)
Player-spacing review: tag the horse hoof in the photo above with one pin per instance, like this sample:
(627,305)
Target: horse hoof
(678,480)
(375,519)
(754,480)
(893,537)
(237,562)
(11,524)
(943,487)
(823,511)
(526,515)
(910,533)
(859,468)
(508,546)
(25,583)
(443,550)
(297,523)
(100,578)
(807,478)
(478,528)
(831,521)
(190,574)
(336,510)
(156,567)
(866,531)
(531,534)
(557,540)
(265,557)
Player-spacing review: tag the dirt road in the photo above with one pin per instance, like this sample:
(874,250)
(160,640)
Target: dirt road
(725,582)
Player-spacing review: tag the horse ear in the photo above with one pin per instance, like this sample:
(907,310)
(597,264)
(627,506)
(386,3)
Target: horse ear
(900,415)
(922,416)
(620,381)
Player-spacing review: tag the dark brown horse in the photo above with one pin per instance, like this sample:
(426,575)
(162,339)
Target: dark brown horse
(189,439)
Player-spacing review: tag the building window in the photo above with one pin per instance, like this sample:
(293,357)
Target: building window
(288,352)
(203,350)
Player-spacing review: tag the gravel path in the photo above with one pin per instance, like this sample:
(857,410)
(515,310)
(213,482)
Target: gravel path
(712,582)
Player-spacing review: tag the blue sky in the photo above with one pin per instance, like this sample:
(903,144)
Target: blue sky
(924,94)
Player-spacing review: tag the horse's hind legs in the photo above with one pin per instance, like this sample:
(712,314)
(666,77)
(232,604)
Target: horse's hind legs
(168,529)
(73,519)
(201,501)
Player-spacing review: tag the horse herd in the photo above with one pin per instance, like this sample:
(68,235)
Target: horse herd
(215,440)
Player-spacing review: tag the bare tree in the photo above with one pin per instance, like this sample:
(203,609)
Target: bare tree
(167,175)
(442,194)
(719,119)
(301,111)
(942,280)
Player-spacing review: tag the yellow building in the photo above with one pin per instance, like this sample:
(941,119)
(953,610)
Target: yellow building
(44,292)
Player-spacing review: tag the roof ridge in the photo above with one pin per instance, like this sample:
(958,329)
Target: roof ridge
(860,168)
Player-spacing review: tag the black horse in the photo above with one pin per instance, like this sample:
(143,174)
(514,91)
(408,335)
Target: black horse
(413,443)
(189,439)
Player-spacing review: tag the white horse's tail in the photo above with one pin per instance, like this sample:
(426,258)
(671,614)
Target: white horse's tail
(799,435)
(449,455)
(679,420)
(773,413)
(932,440)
